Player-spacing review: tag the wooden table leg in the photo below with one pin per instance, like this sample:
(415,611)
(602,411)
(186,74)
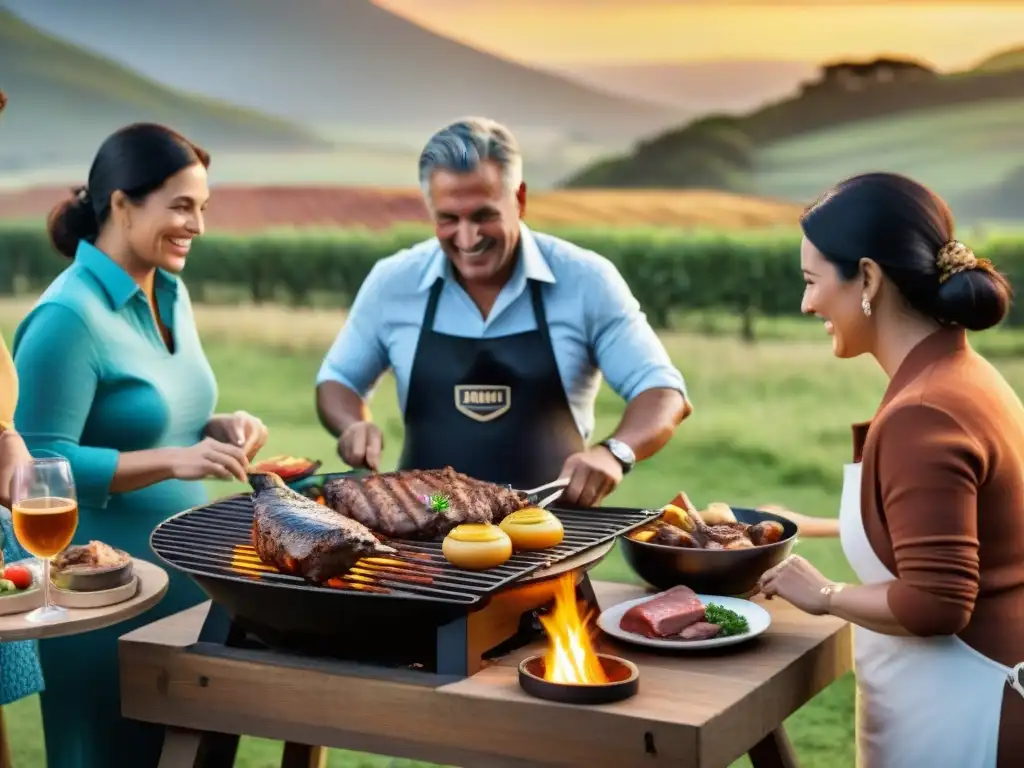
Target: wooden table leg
(303,756)
(6,761)
(773,751)
(185,748)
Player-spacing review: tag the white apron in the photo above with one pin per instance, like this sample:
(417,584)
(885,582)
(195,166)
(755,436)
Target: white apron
(921,702)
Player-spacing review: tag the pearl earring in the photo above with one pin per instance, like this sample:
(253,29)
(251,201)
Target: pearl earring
(866,306)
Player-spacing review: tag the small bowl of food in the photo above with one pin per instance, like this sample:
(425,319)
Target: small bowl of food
(90,568)
(721,550)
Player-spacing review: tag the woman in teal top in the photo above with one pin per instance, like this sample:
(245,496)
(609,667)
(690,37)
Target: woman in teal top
(113,377)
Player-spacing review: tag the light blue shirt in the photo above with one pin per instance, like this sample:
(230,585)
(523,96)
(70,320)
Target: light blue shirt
(596,324)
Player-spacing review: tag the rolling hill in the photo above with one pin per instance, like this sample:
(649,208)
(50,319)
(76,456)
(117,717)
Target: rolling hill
(247,209)
(344,62)
(1004,61)
(958,133)
(962,152)
(64,101)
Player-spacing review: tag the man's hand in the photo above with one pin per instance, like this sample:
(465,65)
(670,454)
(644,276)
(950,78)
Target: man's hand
(593,474)
(360,445)
(13,453)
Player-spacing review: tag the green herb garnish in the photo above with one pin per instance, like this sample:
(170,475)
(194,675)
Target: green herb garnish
(731,623)
(438,502)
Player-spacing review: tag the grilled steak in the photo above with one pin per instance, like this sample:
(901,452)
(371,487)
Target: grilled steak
(392,503)
(304,538)
(667,614)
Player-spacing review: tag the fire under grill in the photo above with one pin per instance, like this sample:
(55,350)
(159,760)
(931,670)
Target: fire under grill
(412,599)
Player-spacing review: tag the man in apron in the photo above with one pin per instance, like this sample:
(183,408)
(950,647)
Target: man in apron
(498,337)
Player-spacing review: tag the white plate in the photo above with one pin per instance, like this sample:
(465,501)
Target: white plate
(757,618)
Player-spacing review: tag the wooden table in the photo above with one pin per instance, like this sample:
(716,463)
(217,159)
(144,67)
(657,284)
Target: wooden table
(695,710)
(152,588)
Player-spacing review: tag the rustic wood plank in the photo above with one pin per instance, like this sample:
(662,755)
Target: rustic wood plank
(699,710)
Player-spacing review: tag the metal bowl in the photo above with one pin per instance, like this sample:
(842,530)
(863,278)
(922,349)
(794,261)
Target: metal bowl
(85,578)
(623,682)
(710,571)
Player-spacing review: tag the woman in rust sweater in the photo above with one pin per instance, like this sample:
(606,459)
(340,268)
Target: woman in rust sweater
(932,511)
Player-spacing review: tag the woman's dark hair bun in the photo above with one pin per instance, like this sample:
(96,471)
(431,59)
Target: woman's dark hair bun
(72,221)
(907,230)
(136,160)
(976,299)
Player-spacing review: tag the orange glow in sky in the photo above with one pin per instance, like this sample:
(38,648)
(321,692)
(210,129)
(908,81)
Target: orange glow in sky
(949,35)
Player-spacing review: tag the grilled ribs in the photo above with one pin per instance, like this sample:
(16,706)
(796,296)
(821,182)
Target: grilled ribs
(392,504)
(304,538)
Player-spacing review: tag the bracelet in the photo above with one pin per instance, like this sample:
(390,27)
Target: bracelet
(831,590)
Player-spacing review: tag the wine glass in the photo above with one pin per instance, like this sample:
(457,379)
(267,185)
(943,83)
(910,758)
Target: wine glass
(44,507)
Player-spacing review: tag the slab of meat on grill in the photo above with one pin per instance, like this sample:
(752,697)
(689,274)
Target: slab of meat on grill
(391,503)
(304,538)
(669,613)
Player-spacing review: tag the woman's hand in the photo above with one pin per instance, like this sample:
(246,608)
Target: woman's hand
(799,582)
(239,428)
(809,527)
(13,452)
(209,458)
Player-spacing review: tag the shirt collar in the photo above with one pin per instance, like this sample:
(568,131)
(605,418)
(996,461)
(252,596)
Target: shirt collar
(531,264)
(116,283)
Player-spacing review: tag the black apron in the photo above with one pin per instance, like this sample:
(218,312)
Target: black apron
(494,409)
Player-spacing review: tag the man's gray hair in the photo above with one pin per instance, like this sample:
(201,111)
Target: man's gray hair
(464,145)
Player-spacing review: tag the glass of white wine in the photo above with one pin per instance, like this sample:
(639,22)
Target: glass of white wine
(44,507)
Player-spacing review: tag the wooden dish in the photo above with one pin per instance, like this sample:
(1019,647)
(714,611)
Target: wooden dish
(95,598)
(21,602)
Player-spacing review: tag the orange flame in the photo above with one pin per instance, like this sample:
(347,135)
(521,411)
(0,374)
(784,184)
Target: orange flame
(571,658)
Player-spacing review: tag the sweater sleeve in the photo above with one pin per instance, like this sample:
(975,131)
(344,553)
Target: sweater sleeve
(58,370)
(929,471)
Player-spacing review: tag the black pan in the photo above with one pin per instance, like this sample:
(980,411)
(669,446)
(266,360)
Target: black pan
(710,571)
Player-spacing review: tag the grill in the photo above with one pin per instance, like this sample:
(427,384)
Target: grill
(412,596)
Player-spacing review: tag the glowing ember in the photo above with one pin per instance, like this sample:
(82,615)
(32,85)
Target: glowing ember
(570,658)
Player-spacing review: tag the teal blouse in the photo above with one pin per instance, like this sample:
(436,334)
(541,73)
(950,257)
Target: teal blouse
(96,379)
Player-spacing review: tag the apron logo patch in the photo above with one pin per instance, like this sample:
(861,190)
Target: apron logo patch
(482,402)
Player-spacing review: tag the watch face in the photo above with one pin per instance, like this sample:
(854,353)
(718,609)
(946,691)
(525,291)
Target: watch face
(621,451)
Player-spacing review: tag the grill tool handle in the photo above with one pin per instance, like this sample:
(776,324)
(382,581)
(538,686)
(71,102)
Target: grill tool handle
(543,495)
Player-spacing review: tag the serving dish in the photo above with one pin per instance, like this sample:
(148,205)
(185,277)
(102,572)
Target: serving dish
(710,571)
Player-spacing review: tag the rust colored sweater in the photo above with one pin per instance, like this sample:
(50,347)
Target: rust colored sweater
(942,499)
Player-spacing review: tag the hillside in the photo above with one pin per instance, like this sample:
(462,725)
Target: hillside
(1004,61)
(960,152)
(245,209)
(344,63)
(64,101)
(888,113)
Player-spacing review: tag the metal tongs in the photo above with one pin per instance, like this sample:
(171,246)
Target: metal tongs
(543,495)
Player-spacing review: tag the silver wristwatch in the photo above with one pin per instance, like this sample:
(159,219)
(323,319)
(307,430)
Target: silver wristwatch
(622,452)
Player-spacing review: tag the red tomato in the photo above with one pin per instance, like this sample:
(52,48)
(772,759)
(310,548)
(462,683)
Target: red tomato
(19,575)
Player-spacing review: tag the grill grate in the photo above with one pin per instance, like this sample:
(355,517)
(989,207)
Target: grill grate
(216,541)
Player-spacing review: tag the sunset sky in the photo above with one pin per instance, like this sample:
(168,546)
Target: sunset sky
(950,35)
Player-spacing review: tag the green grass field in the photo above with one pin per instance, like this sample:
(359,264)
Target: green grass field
(771,425)
(956,150)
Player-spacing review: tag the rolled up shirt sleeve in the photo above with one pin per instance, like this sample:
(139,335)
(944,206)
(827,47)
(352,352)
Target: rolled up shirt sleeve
(628,352)
(58,369)
(929,470)
(358,356)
